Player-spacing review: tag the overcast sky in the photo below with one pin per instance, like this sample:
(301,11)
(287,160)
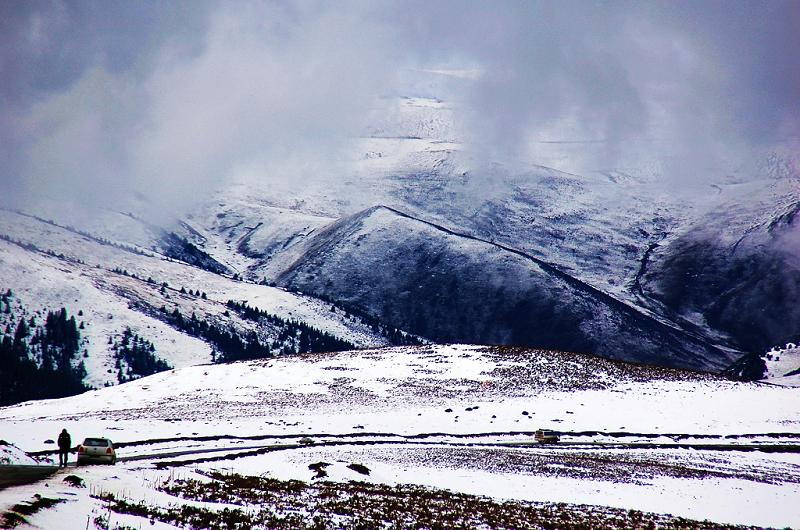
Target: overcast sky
(98,98)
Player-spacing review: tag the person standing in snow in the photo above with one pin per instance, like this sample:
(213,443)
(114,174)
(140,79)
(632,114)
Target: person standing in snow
(64,445)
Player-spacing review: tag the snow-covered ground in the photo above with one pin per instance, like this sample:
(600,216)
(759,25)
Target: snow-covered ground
(454,417)
(554,476)
(11,455)
(406,390)
(781,362)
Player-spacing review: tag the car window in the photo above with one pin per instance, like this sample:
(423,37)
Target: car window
(96,442)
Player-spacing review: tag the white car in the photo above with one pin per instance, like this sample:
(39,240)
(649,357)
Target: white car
(99,450)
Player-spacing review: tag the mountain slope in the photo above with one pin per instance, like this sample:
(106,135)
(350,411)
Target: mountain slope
(451,287)
(111,288)
(737,270)
(630,233)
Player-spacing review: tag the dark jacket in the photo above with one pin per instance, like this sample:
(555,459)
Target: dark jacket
(64,440)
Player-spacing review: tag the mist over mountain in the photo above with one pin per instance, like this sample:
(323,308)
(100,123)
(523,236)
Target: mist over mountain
(170,102)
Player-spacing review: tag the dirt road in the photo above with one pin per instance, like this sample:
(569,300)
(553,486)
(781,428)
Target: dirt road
(17,475)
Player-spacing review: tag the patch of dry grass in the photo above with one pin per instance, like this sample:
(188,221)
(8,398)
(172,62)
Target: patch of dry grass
(16,515)
(267,503)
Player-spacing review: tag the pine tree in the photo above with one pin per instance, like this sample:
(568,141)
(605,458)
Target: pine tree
(20,347)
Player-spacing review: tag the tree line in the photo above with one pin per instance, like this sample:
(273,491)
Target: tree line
(227,343)
(39,361)
(294,336)
(230,344)
(395,336)
(135,357)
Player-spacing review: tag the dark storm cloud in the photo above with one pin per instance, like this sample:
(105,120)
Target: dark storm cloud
(100,98)
(49,44)
(64,68)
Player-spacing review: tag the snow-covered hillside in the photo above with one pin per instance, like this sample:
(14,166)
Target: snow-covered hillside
(736,269)
(445,285)
(337,392)
(115,287)
(779,365)
(455,417)
(783,362)
(11,455)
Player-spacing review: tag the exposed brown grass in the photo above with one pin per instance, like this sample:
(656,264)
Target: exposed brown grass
(258,502)
(16,515)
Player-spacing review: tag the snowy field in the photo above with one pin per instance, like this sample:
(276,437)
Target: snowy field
(459,418)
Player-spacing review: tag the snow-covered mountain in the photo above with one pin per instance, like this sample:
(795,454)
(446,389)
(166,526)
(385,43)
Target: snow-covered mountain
(444,285)
(415,234)
(631,235)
